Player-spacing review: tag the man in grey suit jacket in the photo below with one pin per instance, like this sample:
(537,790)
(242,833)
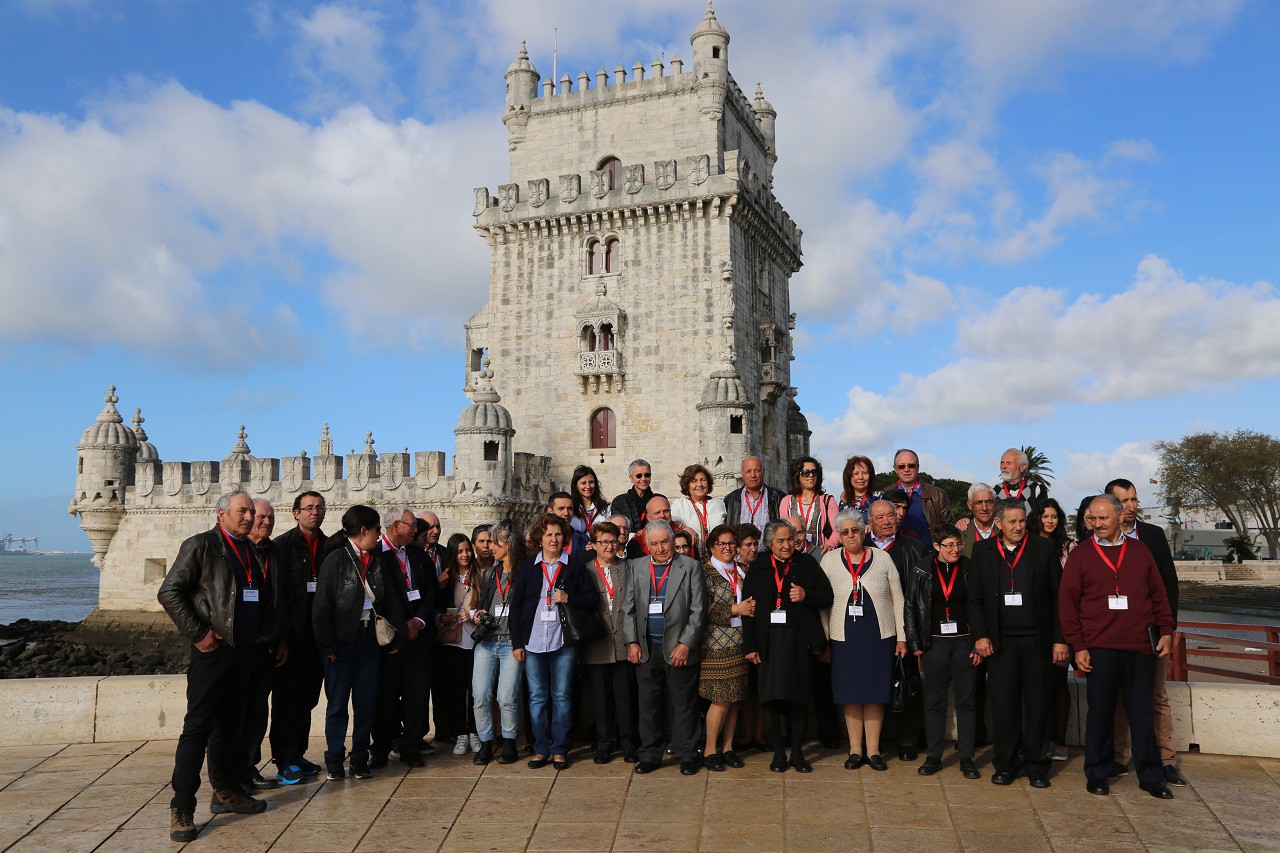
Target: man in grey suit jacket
(663,613)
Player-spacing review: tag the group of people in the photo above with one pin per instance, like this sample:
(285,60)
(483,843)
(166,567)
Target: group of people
(700,627)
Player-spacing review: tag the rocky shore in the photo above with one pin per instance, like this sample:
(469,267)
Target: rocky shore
(40,650)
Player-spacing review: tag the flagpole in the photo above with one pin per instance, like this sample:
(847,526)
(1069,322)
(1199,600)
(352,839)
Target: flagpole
(555,56)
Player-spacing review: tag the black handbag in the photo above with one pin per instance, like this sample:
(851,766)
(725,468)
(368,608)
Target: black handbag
(905,687)
(579,626)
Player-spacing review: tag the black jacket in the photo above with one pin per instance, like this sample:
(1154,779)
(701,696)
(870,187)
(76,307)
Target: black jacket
(917,615)
(423,573)
(733,504)
(526,590)
(907,554)
(633,507)
(293,606)
(270,560)
(199,592)
(339,599)
(986,580)
(1158,544)
(761,585)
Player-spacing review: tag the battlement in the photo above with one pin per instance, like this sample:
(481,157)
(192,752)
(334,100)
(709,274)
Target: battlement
(613,87)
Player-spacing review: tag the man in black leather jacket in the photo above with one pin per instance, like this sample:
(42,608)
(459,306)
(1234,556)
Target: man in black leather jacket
(214,593)
(744,506)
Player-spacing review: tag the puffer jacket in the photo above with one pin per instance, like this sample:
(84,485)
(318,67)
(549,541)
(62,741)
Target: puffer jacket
(918,613)
(339,599)
(199,592)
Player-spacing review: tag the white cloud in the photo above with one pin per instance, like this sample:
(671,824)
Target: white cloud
(340,49)
(1163,335)
(1084,474)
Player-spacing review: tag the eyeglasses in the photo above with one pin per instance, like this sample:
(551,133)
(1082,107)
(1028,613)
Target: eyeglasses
(725,543)
(984,503)
(949,544)
(809,472)
(316,508)
(907,466)
(851,531)
(606,543)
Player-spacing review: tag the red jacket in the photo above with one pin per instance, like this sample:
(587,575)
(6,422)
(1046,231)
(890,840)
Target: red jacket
(1088,583)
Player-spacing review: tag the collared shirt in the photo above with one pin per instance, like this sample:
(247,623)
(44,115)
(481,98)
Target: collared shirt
(657,624)
(883,544)
(546,635)
(760,517)
(1119,539)
(1133,533)
(979,535)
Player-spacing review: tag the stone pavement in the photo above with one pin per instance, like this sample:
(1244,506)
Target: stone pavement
(114,796)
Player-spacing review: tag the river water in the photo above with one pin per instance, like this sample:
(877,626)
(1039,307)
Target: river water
(47,586)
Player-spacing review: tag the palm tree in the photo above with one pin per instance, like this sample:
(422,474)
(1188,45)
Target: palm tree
(1039,468)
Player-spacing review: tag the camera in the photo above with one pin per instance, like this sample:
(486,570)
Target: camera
(485,625)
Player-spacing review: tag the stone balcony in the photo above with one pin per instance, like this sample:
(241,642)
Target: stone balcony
(600,370)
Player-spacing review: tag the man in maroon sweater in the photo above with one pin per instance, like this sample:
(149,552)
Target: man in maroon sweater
(1110,595)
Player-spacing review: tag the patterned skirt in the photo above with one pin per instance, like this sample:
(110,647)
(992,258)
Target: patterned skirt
(724,675)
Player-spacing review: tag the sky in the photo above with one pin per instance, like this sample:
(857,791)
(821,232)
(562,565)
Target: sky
(1048,223)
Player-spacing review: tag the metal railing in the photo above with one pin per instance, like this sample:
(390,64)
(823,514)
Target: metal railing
(1267,651)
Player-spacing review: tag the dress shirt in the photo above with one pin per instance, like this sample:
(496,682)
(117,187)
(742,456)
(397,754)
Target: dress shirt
(546,635)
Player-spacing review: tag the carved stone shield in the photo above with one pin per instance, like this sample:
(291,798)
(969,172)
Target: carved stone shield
(323,478)
(146,481)
(508,197)
(633,179)
(570,188)
(175,475)
(201,477)
(699,168)
(538,192)
(292,475)
(665,174)
(482,201)
(260,475)
(601,183)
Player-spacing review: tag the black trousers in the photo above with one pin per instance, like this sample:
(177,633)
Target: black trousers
(403,686)
(824,703)
(661,686)
(294,695)
(257,694)
(908,726)
(1018,679)
(455,713)
(980,701)
(217,682)
(613,690)
(1060,712)
(1132,674)
(947,664)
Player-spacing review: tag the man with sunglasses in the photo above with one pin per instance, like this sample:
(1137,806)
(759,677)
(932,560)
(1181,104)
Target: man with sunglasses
(632,502)
(929,505)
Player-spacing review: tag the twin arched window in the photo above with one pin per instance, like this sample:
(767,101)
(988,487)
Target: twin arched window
(604,429)
(602,256)
(602,341)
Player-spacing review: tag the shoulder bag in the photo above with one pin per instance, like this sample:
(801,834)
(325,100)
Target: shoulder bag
(383,630)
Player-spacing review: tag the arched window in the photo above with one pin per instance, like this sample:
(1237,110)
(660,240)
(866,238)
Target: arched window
(611,255)
(604,428)
(595,257)
(614,167)
(589,339)
(604,342)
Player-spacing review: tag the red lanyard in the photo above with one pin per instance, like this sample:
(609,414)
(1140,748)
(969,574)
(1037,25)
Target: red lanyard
(779,580)
(589,515)
(804,516)
(497,580)
(978,534)
(752,510)
(313,545)
(856,574)
(404,564)
(732,576)
(551,579)
(1022,484)
(702,515)
(248,572)
(889,545)
(607,585)
(947,587)
(1114,567)
(653,576)
(1017,559)
(364,564)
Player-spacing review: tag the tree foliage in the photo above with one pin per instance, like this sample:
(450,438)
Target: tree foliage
(1039,467)
(1237,473)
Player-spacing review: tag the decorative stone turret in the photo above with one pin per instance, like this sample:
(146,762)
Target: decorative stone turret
(766,117)
(798,432)
(522,91)
(235,470)
(146,450)
(484,434)
(104,469)
(711,64)
(724,422)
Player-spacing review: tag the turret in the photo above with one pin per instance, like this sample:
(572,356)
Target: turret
(522,90)
(767,117)
(104,469)
(724,423)
(484,434)
(711,63)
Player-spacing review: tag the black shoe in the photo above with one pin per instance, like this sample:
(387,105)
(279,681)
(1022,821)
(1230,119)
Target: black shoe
(510,754)
(309,768)
(876,762)
(969,769)
(1101,789)
(603,756)
(907,753)
(854,761)
(778,765)
(931,765)
(1118,771)
(425,748)
(1004,777)
(484,754)
(631,756)
(360,767)
(560,763)
(1173,776)
(801,765)
(761,747)
(410,760)
(690,767)
(731,759)
(646,766)
(256,781)
(377,761)
(225,802)
(336,770)
(182,825)
(1159,790)
(538,762)
(1038,780)
(713,762)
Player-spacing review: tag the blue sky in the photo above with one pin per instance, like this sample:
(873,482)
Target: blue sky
(1049,223)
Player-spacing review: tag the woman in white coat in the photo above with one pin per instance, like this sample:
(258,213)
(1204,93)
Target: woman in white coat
(697,510)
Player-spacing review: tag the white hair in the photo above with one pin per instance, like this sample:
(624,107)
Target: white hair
(658,525)
(639,463)
(224,501)
(975,488)
(393,514)
(1022,457)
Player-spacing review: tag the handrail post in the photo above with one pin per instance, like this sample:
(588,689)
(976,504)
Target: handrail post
(1178,658)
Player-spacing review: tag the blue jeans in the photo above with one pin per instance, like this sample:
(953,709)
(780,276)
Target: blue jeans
(353,678)
(550,676)
(495,666)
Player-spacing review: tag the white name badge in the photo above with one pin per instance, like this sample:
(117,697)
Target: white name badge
(655,608)
(368,604)
(735,621)
(250,594)
(855,609)
(500,611)
(949,627)
(415,595)
(549,616)
(311,586)
(1013,599)
(778,617)
(1118,602)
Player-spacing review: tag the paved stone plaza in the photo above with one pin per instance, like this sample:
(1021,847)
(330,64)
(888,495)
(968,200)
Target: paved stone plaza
(114,796)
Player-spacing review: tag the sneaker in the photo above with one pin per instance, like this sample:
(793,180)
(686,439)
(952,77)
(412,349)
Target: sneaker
(290,775)
(360,767)
(182,824)
(474,741)
(336,772)
(460,748)
(309,768)
(1060,754)
(234,801)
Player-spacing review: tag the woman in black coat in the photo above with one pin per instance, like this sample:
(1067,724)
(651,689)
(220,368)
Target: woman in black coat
(545,580)
(784,636)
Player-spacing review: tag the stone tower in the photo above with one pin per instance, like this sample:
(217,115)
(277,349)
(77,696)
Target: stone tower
(104,469)
(483,458)
(639,273)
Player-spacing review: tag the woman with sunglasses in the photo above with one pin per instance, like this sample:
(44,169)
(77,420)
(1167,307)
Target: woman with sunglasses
(815,509)
(723,678)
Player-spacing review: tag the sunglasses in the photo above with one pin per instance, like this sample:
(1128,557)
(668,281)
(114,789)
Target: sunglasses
(809,472)
(907,466)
